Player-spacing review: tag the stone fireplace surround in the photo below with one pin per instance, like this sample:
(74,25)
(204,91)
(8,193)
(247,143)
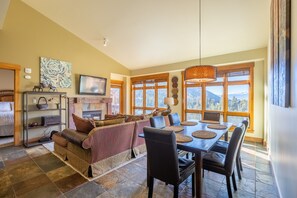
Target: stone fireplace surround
(77,105)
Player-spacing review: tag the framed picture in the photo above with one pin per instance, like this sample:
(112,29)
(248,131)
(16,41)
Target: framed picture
(55,72)
(280,51)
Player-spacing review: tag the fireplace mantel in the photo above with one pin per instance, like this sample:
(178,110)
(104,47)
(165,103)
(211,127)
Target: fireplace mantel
(77,104)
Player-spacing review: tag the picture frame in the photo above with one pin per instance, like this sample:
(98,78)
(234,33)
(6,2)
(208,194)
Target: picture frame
(280,51)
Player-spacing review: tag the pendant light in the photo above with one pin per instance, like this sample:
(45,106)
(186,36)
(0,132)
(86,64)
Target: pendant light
(200,73)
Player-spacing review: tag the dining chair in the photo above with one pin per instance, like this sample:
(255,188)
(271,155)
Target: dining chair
(174,119)
(224,163)
(214,116)
(163,161)
(222,147)
(158,122)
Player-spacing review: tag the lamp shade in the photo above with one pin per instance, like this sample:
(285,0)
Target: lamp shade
(202,73)
(169,101)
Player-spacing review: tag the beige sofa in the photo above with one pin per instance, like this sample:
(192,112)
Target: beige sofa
(102,149)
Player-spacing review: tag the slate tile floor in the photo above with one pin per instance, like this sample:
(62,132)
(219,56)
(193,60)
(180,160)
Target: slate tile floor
(36,172)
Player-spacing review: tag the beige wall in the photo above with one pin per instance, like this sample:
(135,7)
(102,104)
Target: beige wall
(282,133)
(6,79)
(257,56)
(27,35)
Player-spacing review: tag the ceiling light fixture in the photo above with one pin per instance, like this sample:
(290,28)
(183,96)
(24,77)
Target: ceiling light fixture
(105,41)
(200,73)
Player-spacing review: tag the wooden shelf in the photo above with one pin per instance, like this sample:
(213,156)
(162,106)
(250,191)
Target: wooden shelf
(39,127)
(37,110)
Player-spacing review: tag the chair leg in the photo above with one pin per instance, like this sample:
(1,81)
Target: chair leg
(187,155)
(175,191)
(234,182)
(151,187)
(193,185)
(238,168)
(240,164)
(229,186)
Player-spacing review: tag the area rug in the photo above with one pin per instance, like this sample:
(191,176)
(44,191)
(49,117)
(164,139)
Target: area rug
(50,147)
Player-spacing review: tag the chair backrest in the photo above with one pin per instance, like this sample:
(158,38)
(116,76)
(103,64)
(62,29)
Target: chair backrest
(214,116)
(161,154)
(245,124)
(157,122)
(233,148)
(174,119)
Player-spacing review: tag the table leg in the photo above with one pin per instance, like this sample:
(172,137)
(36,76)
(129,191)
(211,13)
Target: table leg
(198,169)
(226,136)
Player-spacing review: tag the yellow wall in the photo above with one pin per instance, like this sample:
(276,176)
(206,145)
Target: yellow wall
(27,35)
(257,56)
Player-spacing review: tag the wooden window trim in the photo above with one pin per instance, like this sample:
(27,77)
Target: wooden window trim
(223,70)
(148,79)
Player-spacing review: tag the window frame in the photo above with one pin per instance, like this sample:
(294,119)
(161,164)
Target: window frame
(148,79)
(223,71)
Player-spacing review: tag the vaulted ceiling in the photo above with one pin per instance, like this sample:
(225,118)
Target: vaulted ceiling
(146,33)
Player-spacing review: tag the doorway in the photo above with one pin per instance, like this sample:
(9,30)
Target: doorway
(116,93)
(9,105)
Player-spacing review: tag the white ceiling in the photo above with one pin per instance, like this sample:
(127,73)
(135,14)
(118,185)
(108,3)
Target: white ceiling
(145,33)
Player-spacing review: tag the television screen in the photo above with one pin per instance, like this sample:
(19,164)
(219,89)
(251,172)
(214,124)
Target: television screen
(91,85)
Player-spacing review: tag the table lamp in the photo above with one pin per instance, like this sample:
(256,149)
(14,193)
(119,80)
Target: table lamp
(168,101)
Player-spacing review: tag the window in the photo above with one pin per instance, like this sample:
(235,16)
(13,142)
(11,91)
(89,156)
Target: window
(116,93)
(148,93)
(231,94)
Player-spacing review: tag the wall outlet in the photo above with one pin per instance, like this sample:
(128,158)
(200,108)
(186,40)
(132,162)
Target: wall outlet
(27,77)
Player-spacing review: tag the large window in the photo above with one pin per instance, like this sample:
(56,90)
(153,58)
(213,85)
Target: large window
(148,93)
(231,95)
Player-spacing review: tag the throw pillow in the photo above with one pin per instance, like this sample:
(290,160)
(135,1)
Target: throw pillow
(111,117)
(131,118)
(5,106)
(83,125)
(101,123)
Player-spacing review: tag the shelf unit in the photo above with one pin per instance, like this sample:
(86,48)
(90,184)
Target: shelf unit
(32,114)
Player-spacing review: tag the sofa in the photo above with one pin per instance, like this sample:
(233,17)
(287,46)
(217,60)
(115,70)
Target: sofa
(103,148)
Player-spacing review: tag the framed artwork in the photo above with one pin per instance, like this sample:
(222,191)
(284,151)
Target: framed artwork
(55,72)
(280,51)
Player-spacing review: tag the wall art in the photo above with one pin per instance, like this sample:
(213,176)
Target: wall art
(55,72)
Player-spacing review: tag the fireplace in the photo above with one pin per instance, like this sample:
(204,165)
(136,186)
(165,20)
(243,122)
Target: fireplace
(88,107)
(93,114)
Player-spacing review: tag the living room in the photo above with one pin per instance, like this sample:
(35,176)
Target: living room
(28,34)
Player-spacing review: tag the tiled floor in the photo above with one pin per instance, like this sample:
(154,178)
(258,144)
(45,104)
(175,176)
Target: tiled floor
(36,172)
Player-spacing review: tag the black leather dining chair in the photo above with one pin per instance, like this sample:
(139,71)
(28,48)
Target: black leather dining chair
(174,119)
(224,163)
(222,147)
(163,161)
(214,116)
(158,122)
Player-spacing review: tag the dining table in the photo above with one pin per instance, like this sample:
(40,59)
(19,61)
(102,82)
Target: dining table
(199,146)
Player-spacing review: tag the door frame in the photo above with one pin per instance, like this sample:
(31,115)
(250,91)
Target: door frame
(17,105)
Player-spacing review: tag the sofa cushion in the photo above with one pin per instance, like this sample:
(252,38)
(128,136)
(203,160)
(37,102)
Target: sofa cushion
(83,125)
(74,136)
(101,123)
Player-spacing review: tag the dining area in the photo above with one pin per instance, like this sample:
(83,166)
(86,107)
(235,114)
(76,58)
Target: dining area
(181,150)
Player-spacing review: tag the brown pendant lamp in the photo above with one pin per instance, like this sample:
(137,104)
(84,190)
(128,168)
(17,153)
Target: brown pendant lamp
(200,73)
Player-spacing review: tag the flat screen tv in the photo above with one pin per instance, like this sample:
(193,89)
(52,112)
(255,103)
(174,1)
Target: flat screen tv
(92,85)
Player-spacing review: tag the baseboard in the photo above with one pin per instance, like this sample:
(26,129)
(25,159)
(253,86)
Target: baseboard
(277,185)
(253,139)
